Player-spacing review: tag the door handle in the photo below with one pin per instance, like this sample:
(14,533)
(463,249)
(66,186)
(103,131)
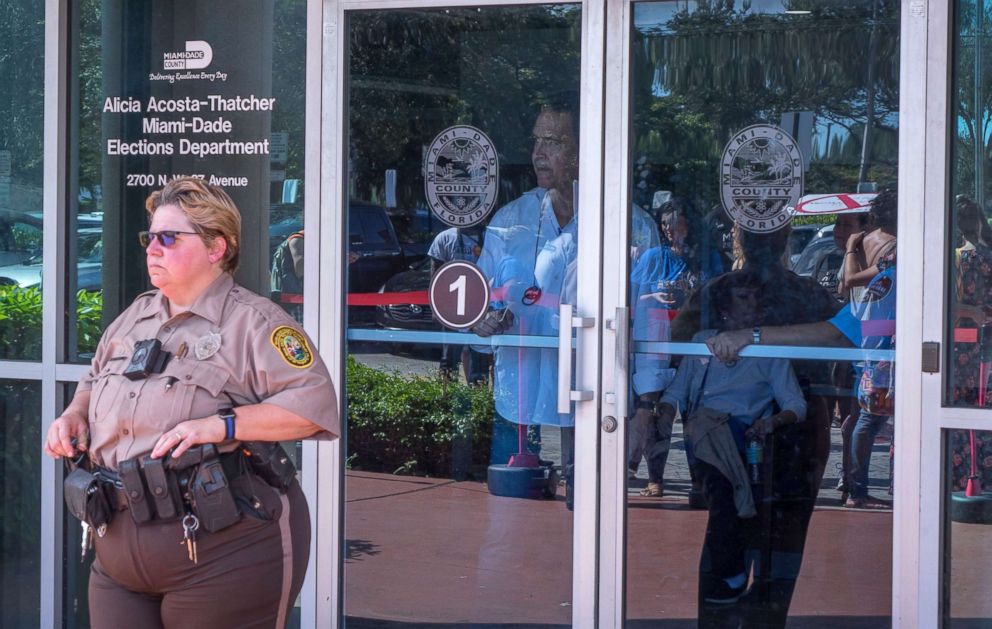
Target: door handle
(621,328)
(566,323)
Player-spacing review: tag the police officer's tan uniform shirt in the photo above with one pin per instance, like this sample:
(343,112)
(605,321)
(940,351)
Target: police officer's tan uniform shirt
(263,357)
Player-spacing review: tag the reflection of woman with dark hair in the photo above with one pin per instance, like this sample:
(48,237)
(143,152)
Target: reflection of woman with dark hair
(723,404)
(973,265)
(782,298)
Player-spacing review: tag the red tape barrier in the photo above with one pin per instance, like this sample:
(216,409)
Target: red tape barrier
(421,298)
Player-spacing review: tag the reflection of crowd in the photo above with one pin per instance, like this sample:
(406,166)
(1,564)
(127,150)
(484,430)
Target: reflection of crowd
(971,451)
(785,403)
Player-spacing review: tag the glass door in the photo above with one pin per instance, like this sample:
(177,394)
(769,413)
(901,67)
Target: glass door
(956,471)
(469,382)
(750,479)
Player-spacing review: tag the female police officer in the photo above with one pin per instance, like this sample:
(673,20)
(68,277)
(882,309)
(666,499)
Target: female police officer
(239,370)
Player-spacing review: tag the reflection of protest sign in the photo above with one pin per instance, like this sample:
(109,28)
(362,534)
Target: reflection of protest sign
(459,295)
(461,170)
(761,177)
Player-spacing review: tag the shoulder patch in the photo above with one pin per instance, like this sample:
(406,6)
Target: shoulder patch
(292,345)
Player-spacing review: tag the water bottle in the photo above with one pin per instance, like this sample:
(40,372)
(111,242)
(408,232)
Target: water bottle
(754,453)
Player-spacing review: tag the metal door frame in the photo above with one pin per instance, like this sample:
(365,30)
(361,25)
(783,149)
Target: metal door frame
(323,592)
(935,272)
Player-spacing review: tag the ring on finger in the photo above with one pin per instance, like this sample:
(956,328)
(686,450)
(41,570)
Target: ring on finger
(177,436)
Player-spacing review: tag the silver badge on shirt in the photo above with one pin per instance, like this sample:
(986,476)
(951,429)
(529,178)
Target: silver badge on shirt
(207,345)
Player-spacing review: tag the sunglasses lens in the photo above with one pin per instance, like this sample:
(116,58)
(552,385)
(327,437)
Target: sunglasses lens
(167,239)
(145,239)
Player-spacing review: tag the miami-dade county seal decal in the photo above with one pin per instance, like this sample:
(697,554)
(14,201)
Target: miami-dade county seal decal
(461,171)
(761,175)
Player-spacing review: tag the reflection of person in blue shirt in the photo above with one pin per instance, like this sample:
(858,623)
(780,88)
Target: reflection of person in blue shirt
(459,244)
(530,244)
(661,278)
(871,324)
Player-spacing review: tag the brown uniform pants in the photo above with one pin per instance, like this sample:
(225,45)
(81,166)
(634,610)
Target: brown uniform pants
(248,575)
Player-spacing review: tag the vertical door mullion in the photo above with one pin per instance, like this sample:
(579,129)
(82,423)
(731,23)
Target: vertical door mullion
(327,219)
(586,531)
(613,460)
(53,298)
(923,192)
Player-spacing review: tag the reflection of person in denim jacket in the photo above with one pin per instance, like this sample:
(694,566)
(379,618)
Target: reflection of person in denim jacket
(747,390)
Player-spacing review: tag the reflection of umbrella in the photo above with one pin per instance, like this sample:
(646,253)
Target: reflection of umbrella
(974,487)
(974,505)
(839,203)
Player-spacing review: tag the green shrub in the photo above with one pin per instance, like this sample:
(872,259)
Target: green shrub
(411,424)
(20,322)
(89,324)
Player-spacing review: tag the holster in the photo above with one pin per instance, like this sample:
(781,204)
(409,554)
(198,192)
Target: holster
(87,498)
(211,497)
(270,461)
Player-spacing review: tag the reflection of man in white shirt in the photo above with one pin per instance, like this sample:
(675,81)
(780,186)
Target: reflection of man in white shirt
(530,244)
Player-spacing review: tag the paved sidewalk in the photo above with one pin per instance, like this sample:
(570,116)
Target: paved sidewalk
(434,552)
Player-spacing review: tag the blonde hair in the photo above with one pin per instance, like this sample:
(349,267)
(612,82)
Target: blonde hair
(208,208)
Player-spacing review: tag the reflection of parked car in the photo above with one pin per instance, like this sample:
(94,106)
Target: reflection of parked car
(89,266)
(800,237)
(371,238)
(407,316)
(20,236)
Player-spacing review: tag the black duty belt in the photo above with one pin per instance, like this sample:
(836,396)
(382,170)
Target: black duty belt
(232,463)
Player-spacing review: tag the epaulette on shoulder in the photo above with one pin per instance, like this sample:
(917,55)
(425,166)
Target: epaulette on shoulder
(264,307)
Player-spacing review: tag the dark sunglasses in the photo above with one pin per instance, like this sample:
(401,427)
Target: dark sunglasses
(165,238)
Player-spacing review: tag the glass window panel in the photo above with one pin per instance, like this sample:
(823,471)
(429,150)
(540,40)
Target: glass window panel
(20,502)
(969,286)
(119,68)
(432,422)
(740,114)
(967,528)
(22,99)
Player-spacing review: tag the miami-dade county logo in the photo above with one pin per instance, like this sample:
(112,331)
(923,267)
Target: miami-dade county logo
(461,170)
(761,175)
(198,55)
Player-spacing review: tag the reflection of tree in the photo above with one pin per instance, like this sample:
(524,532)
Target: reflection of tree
(415,73)
(289,79)
(87,140)
(973,101)
(22,80)
(719,69)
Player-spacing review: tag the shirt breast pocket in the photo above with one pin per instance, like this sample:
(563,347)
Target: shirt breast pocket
(107,391)
(199,391)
